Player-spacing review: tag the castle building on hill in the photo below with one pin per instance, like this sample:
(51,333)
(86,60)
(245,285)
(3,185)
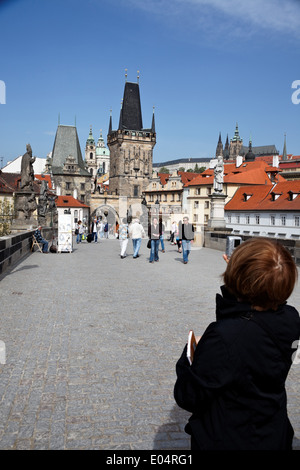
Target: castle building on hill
(235,148)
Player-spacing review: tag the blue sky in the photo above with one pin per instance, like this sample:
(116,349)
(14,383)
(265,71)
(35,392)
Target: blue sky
(203,64)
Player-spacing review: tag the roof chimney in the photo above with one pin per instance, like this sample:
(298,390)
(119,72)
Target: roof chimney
(275,161)
(239,161)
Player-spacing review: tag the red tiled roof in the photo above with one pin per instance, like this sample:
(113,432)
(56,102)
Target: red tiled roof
(10,182)
(187,176)
(68,201)
(45,177)
(164,177)
(247,173)
(262,197)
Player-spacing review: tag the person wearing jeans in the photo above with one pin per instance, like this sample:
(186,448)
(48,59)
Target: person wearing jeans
(186,234)
(161,236)
(154,233)
(136,232)
(39,238)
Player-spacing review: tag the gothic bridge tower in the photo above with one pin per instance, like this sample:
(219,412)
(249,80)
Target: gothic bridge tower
(131,147)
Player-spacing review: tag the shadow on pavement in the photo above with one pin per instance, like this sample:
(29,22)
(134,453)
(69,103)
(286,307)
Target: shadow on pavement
(171,435)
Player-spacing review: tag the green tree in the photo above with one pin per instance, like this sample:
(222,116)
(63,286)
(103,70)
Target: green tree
(164,170)
(199,170)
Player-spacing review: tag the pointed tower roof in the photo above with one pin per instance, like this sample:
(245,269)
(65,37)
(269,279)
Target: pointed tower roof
(250,157)
(153,122)
(90,139)
(226,149)
(110,123)
(236,137)
(219,149)
(66,144)
(101,148)
(131,113)
(284,154)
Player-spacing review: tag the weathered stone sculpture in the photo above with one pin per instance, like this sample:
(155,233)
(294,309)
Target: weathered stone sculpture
(27,172)
(43,201)
(25,202)
(219,175)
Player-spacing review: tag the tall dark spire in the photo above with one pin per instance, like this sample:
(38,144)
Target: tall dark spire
(219,149)
(226,149)
(284,154)
(250,157)
(153,123)
(131,113)
(110,124)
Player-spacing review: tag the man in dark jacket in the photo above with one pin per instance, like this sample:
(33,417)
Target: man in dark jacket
(186,235)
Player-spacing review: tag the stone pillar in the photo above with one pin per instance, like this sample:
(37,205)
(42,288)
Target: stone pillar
(217,213)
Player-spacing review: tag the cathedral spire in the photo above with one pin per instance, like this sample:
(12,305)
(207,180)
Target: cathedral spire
(219,149)
(284,154)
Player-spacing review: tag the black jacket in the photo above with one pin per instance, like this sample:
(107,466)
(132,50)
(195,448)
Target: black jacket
(186,231)
(235,388)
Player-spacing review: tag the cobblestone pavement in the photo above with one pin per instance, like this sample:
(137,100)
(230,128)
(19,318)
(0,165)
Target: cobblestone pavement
(91,345)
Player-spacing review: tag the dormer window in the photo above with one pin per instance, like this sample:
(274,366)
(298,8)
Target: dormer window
(292,195)
(275,196)
(247,196)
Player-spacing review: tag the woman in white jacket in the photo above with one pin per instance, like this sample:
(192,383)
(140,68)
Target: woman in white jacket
(136,232)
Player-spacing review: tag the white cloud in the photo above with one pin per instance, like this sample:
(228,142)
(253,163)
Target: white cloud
(255,16)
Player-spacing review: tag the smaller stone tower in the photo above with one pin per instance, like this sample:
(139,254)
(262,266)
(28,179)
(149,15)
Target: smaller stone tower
(90,154)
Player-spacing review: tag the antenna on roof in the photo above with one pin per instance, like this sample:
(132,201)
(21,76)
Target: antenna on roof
(59,119)
(125,75)
(138,76)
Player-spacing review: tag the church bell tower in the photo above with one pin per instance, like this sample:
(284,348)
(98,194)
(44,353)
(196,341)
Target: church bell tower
(131,147)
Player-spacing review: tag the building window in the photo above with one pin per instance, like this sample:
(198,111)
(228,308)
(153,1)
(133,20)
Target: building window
(206,205)
(82,186)
(195,217)
(297,221)
(165,197)
(237,219)
(229,219)
(91,156)
(283,220)
(257,219)
(197,191)
(68,185)
(248,219)
(135,191)
(272,219)
(196,204)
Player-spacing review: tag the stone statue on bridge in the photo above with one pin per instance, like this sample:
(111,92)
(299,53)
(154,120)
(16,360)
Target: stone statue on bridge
(27,172)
